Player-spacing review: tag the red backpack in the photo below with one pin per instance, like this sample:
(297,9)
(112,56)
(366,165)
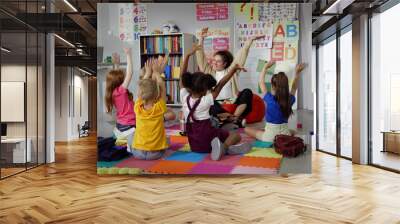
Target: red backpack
(289,146)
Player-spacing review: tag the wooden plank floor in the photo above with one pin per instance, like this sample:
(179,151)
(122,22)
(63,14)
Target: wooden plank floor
(69,191)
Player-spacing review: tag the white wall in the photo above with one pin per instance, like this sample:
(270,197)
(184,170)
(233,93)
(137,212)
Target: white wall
(32,126)
(66,80)
(61,103)
(307,89)
(183,14)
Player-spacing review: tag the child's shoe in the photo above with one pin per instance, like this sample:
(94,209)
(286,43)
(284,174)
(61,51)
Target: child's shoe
(241,123)
(241,148)
(218,149)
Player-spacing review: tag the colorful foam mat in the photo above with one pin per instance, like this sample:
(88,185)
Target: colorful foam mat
(179,159)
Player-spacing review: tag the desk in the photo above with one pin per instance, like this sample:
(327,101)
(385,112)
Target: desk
(16,148)
(391,141)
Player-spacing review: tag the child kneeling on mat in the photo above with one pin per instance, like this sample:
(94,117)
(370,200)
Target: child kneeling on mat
(278,102)
(197,100)
(150,140)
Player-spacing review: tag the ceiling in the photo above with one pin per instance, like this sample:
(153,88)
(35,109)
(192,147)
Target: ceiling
(79,27)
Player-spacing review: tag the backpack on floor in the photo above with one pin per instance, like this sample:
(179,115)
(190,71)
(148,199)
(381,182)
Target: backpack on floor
(289,146)
(108,151)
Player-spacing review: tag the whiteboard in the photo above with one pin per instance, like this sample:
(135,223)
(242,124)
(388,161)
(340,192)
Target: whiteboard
(12,101)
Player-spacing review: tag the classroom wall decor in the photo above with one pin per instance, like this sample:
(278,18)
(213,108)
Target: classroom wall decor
(277,11)
(212,11)
(132,21)
(279,21)
(218,39)
(229,26)
(246,12)
(244,31)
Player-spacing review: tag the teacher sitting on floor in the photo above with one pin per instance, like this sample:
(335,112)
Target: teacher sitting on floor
(221,64)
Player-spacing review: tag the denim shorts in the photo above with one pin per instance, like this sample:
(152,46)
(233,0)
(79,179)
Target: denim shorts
(147,155)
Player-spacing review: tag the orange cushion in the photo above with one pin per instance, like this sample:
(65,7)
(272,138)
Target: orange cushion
(258,110)
(257,113)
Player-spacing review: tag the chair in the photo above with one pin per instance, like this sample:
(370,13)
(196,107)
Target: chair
(84,130)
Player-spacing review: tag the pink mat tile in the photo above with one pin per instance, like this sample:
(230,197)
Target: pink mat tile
(175,146)
(253,170)
(136,163)
(207,168)
(225,160)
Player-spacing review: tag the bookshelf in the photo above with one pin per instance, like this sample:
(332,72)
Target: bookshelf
(177,44)
(101,66)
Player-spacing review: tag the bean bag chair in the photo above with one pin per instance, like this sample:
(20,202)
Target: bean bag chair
(257,113)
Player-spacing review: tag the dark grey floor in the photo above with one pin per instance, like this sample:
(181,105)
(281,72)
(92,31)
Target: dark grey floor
(301,163)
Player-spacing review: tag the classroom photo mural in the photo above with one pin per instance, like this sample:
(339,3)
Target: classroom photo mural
(203,88)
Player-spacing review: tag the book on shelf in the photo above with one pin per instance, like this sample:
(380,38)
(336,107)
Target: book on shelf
(161,44)
(176,73)
(173,92)
(151,46)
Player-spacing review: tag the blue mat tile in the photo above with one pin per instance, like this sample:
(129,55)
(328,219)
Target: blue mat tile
(260,144)
(108,164)
(193,157)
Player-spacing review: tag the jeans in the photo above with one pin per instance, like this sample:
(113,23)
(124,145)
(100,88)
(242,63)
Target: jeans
(147,155)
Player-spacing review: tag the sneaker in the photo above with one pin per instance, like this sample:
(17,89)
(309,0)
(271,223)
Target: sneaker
(241,123)
(244,122)
(217,149)
(241,148)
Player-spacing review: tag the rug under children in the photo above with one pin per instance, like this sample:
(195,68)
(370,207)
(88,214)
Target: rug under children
(262,159)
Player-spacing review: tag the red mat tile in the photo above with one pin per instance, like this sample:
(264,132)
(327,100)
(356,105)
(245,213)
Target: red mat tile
(171,167)
(260,162)
(179,139)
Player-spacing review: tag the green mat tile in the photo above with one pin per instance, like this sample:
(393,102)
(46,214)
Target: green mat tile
(263,152)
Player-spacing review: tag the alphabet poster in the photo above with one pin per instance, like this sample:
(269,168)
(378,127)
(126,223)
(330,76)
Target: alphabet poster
(285,41)
(280,44)
(246,30)
(212,11)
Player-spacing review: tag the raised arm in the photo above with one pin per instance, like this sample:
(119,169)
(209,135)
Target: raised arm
(299,69)
(225,79)
(147,68)
(158,67)
(200,55)
(186,59)
(241,57)
(261,79)
(128,75)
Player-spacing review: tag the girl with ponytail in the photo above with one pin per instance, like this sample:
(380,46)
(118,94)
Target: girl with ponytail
(278,102)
